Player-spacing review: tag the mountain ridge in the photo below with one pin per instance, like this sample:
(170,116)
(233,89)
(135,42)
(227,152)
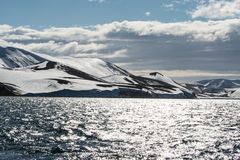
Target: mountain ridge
(214,88)
(27,73)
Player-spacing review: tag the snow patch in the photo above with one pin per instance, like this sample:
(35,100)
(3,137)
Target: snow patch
(236,94)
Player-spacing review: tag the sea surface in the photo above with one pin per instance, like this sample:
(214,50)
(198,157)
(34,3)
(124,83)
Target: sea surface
(82,128)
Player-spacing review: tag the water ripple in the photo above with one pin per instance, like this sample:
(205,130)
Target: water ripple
(71,128)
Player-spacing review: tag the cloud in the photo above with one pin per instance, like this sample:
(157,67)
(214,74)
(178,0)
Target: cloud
(122,53)
(139,45)
(3,43)
(117,54)
(218,9)
(99,1)
(54,48)
(168,6)
(190,31)
(5,28)
(187,73)
(147,14)
(191,76)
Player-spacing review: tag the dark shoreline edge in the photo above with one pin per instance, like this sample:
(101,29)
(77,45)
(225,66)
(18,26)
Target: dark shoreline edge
(21,96)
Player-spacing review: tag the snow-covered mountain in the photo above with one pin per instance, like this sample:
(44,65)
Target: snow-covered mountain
(216,88)
(32,74)
(219,84)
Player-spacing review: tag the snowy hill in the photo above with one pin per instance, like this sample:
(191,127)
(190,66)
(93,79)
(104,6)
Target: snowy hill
(220,83)
(32,74)
(215,88)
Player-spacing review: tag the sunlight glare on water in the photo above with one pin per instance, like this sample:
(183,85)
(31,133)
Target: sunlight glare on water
(73,128)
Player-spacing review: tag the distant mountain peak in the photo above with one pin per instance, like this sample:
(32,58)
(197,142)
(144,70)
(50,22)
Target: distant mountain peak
(219,83)
(155,74)
(12,57)
(216,88)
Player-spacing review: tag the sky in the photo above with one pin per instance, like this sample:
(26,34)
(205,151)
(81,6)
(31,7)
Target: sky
(187,40)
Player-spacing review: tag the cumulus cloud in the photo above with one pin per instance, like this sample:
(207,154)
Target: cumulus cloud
(190,30)
(5,27)
(218,9)
(137,45)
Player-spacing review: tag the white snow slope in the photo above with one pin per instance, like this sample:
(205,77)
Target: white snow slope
(38,74)
(236,94)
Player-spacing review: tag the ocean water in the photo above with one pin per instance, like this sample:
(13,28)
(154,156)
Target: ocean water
(81,128)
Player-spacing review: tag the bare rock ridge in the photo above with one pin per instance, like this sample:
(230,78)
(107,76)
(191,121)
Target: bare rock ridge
(25,73)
